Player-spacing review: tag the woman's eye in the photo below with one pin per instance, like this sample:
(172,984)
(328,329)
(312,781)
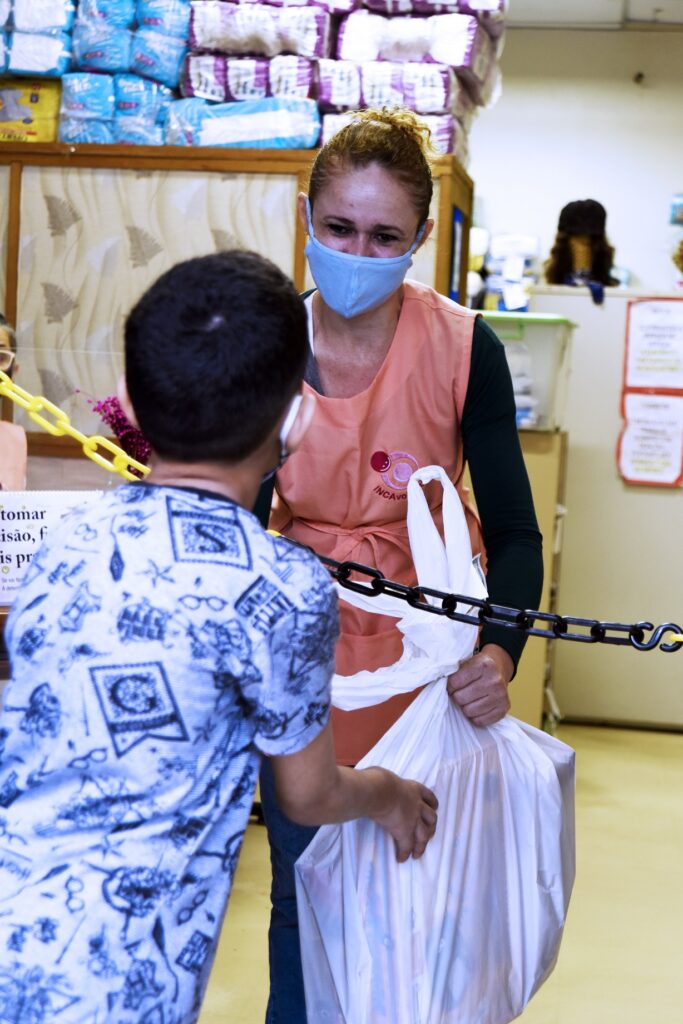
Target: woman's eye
(338,229)
(386,239)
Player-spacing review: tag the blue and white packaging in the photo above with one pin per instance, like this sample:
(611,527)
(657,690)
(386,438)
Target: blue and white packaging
(87,95)
(4,51)
(119,13)
(5,11)
(43,15)
(80,130)
(271,123)
(171,17)
(99,46)
(131,131)
(158,56)
(141,98)
(33,53)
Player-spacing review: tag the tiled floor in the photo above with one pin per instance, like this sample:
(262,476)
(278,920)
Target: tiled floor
(622,957)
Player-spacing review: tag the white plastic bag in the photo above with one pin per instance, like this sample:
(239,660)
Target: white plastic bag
(466,934)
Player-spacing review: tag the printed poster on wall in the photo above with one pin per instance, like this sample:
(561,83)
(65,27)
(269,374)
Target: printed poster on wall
(650,447)
(25,520)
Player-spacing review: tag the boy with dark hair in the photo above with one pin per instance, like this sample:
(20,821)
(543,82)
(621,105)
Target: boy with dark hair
(161,643)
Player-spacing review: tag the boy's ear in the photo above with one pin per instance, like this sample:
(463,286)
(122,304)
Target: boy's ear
(125,402)
(302,422)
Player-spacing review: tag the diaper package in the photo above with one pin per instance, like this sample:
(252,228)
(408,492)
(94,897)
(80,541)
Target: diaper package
(43,15)
(289,75)
(87,95)
(271,123)
(158,56)
(204,75)
(259,29)
(119,13)
(79,130)
(34,53)
(338,85)
(101,46)
(456,40)
(447,136)
(172,17)
(141,99)
(29,108)
(131,131)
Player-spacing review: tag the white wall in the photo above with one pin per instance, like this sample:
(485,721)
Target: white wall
(572,124)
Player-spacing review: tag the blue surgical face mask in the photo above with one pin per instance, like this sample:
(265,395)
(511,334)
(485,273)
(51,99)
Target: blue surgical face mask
(285,429)
(350,284)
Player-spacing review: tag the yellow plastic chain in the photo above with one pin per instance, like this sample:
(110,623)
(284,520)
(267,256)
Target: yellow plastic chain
(60,425)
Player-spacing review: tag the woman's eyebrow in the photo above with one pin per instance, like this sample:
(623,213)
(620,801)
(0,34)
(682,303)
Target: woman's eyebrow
(352,223)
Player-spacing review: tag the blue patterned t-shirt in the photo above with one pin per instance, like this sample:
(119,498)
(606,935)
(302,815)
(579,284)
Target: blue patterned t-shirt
(161,643)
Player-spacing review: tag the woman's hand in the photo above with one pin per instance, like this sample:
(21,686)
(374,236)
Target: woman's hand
(480,686)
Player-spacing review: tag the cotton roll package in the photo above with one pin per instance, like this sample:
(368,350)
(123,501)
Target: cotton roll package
(270,123)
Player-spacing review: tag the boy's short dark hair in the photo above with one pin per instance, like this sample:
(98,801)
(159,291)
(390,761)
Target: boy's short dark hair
(215,349)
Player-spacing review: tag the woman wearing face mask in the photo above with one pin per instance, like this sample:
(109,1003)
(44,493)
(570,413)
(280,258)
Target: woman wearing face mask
(403,378)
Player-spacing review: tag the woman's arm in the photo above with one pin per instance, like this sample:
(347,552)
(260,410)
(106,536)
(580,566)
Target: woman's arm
(513,541)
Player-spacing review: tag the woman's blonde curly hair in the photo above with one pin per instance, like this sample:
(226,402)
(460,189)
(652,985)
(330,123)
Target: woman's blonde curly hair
(395,138)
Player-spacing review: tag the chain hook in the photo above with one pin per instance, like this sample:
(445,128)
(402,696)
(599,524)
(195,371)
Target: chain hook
(656,638)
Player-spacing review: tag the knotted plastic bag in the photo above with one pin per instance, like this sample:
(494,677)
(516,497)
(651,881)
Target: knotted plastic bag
(467,933)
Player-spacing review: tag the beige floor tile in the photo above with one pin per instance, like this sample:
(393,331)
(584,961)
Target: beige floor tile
(621,954)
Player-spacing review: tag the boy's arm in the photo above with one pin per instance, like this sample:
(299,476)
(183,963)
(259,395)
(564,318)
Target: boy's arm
(313,790)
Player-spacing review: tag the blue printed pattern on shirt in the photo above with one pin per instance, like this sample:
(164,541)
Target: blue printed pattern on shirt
(162,642)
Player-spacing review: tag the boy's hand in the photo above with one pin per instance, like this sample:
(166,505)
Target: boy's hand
(410,817)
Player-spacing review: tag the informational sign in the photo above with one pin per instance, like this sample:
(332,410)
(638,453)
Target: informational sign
(650,447)
(654,346)
(651,444)
(26,518)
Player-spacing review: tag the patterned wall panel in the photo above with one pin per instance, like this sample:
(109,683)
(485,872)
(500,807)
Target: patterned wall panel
(93,240)
(424,261)
(4,208)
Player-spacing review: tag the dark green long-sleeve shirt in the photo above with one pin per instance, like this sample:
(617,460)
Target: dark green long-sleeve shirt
(500,483)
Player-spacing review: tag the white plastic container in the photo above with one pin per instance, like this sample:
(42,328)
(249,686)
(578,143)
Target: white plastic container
(545,340)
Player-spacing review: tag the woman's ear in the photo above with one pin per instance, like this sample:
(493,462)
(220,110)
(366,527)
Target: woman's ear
(125,402)
(428,228)
(302,422)
(301,210)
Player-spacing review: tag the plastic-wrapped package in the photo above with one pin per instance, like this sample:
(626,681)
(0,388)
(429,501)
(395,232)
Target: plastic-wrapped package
(132,131)
(33,53)
(204,75)
(86,131)
(289,75)
(101,46)
(5,11)
(43,15)
(489,13)
(119,13)
(246,78)
(447,135)
(172,17)
(429,88)
(381,84)
(338,85)
(30,109)
(158,56)
(258,29)
(141,99)
(456,40)
(271,123)
(87,95)
(4,51)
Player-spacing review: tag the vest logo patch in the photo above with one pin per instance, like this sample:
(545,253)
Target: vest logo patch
(395,469)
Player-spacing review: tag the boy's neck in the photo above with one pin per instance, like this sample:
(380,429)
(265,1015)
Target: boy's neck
(239,482)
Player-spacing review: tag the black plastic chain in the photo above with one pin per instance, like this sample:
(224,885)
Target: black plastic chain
(557,627)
